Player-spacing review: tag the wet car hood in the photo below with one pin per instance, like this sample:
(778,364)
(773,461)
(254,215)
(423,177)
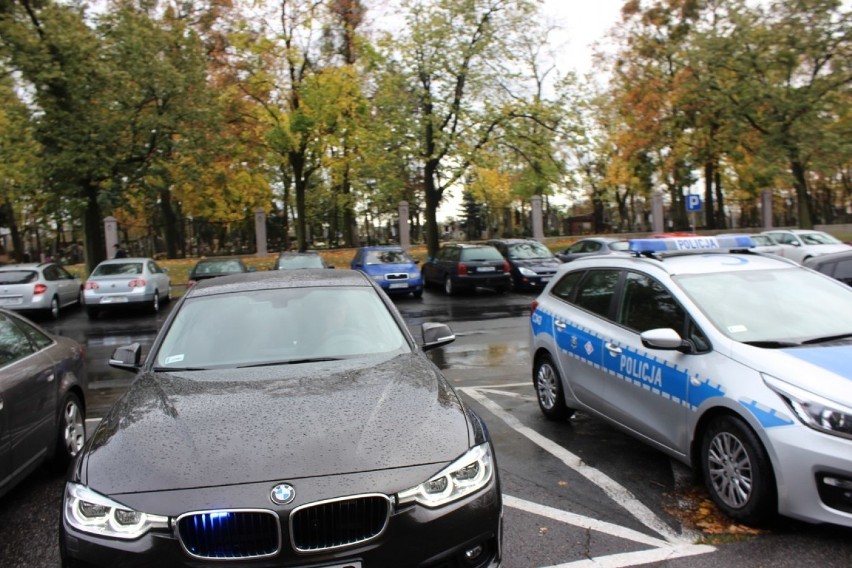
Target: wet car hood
(822,370)
(177,431)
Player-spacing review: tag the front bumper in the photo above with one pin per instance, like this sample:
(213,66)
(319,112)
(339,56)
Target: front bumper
(415,537)
(804,460)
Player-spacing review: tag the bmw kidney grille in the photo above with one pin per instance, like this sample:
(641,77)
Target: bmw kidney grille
(339,522)
(230,534)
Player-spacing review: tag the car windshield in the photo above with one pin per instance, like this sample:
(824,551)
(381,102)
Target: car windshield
(480,254)
(524,251)
(18,276)
(280,326)
(218,267)
(118,269)
(785,305)
(388,257)
(300,261)
(818,239)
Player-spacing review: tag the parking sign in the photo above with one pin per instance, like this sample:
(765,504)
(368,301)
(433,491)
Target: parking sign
(693,202)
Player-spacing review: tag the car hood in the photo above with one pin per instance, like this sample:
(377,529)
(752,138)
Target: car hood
(826,249)
(178,431)
(539,264)
(822,370)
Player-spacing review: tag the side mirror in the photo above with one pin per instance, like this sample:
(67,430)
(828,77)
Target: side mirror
(416,261)
(436,335)
(127,357)
(666,339)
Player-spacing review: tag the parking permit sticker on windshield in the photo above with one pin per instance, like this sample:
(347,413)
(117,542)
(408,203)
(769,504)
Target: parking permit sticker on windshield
(737,328)
(174,359)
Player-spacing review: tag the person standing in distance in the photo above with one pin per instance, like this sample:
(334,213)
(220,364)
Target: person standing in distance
(119,252)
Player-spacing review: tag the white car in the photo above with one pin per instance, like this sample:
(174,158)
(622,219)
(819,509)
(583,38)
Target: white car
(126,282)
(734,362)
(765,243)
(38,287)
(801,244)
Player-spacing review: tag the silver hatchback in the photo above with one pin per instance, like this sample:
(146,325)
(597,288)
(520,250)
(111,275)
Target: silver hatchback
(126,282)
(42,288)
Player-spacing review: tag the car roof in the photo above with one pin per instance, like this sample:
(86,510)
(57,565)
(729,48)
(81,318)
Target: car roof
(297,253)
(511,241)
(381,247)
(469,245)
(275,279)
(127,259)
(705,262)
(24,266)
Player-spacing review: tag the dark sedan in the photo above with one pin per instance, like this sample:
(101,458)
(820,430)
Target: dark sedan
(593,246)
(42,399)
(207,268)
(459,267)
(532,263)
(838,265)
(285,418)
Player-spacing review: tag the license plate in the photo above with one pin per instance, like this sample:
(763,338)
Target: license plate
(399,285)
(114,300)
(545,278)
(10,301)
(486,269)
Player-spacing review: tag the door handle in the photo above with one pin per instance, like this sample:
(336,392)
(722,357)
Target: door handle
(613,349)
(560,325)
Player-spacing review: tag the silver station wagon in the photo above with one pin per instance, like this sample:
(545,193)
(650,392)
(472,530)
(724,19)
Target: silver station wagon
(42,288)
(729,360)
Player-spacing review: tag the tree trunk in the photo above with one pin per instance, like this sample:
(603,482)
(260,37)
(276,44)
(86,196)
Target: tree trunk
(721,221)
(433,199)
(800,183)
(709,215)
(170,232)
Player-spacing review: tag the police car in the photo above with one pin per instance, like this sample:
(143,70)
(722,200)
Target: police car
(734,362)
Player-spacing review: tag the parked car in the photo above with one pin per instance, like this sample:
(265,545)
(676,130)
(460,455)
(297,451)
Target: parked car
(44,288)
(345,445)
(592,246)
(213,267)
(734,362)
(300,260)
(765,243)
(532,264)
(838,265)
(801,244)
(42,399)
(459,267)
(122,283)
(391,267)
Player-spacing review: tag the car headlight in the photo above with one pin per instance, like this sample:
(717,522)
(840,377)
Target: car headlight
(526,271)
(466,475)
(379,277)
(815,411)
(93,513)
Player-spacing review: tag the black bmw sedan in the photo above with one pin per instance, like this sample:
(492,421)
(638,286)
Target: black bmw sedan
(285,418)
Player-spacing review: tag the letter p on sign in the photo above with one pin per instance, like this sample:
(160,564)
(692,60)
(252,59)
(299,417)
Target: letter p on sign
(693,202)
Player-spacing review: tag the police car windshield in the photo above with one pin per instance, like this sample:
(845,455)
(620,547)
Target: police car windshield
(776,307)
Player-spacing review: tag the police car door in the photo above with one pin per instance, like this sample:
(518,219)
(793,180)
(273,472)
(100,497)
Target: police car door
(646,389)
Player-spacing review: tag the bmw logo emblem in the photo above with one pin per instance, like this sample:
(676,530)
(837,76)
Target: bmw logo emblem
(283,493)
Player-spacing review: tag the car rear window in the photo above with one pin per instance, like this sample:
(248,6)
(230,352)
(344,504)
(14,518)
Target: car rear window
(218,267)
(388,257)
(18,276)
(117,269)
(480,253)
(300,261)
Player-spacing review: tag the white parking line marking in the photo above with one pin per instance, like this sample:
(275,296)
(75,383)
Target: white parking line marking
(613,489)
(661,552)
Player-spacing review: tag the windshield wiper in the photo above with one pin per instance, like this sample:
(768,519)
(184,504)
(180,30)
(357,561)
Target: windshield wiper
(175,369)
(767,344)
(827,339)
(290,362)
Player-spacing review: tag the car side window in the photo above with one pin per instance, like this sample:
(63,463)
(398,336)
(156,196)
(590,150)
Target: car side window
(647,304)
(564,289)
(153,268)
(592,246)
(596,291)
(64,274)
(14,344)
(576,247)
(37,338)
(50,273)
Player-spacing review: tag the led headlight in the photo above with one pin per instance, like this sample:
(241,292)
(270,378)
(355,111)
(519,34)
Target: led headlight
(93,513)
(526,271)
(466,475)
(815,411)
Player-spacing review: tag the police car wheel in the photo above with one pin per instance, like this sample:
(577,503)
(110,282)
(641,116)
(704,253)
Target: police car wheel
(737,471)
(548,388)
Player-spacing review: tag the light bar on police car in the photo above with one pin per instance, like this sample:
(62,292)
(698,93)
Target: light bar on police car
(670,244)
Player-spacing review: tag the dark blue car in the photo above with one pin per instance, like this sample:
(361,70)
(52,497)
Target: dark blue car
(391,268)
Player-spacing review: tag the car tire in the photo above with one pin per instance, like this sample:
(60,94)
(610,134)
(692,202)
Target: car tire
(93,313)
(71,434)
(168,297)
(449,287)
(53,311)
(737,471)
(154,306)
(418,293)
(549,391)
